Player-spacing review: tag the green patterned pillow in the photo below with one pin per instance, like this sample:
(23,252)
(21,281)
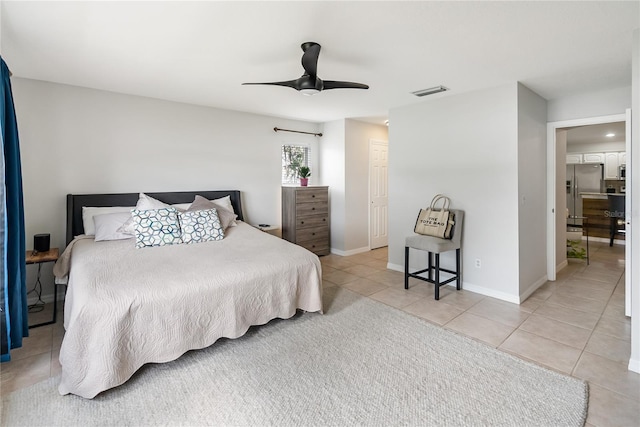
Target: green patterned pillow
(200,226)
(156,227)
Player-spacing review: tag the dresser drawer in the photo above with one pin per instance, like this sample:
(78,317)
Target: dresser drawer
(312,221)
(306,209)
(312,234)
(319,247)
(312,195)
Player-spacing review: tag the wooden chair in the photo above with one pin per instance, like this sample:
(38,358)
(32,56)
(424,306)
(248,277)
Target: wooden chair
(617,215)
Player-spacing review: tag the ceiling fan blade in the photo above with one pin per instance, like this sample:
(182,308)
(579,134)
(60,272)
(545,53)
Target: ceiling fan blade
(310,58)
(332,84)
(309,82)
(289,83)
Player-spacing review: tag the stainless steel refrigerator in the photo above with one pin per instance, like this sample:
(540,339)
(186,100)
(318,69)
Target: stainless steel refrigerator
(584,178)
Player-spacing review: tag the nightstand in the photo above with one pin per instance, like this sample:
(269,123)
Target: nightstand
(271,229)
(40,258)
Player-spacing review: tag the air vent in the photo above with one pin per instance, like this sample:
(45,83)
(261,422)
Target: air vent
(430,91)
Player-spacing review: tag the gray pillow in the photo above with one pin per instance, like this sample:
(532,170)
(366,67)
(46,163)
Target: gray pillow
(225,215)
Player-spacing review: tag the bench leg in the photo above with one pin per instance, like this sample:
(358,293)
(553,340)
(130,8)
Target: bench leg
(406,267)
(458,279)
(437,281)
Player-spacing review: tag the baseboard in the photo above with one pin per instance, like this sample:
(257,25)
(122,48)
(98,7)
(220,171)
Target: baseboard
(470,287)
(634,365)
(491,293)
(604,240)
(532,288)
(350,252)
(395,267)
(562,265)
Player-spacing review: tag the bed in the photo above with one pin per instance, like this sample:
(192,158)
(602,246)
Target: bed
(126,307)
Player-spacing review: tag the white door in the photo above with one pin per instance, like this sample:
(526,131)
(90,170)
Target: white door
(628,258)
(378,194)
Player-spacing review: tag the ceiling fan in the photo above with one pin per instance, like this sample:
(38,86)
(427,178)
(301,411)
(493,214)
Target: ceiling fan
(309,83)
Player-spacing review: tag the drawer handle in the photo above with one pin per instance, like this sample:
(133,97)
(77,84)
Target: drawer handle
(313,195)
(313,209)
(324,219)
(313,234)
(301,222)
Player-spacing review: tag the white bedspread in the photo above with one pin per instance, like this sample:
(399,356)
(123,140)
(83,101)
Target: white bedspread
(126,307)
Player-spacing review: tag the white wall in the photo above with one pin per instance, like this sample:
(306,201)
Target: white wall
(76,140)
(357,137)
(590,104)
(466,147)
(344,167)
(332,173)
(532,191)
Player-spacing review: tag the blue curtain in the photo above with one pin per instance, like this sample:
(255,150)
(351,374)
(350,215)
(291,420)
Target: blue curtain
(14,318)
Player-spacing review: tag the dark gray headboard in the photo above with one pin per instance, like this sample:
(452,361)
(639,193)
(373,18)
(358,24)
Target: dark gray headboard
(75,202)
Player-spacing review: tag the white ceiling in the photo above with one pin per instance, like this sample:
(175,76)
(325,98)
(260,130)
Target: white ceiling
(597,134)
(201,52)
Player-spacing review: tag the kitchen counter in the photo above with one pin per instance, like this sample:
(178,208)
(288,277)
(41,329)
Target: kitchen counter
(595,206)
(600,195)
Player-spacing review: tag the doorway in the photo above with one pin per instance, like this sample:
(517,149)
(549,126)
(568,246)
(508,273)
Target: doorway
(556,198)
(378,194)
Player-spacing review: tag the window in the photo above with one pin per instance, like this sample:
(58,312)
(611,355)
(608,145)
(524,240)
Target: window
(294,156)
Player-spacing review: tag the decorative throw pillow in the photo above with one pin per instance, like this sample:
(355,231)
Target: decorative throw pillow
(156,227)
(144,203)
(107,226)
(226,217)
(200,226)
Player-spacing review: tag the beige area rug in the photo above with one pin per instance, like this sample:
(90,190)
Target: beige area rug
(361,363)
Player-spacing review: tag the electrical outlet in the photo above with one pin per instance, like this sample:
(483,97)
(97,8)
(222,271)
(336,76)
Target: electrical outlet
(478,263)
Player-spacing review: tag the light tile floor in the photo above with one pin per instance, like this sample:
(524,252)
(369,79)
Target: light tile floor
(575,325)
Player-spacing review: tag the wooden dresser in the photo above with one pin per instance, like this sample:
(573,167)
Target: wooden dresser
(305,217)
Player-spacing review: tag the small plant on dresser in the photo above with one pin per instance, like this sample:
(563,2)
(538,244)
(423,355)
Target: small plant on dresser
(304,173)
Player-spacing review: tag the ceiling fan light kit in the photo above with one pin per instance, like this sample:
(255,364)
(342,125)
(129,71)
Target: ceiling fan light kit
(309,83)
(430,91)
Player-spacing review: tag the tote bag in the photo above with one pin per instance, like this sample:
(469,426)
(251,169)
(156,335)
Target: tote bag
(436,222)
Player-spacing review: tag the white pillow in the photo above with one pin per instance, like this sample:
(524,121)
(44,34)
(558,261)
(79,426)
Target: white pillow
(146,203)
(107,226)
(89,212)
(225,202)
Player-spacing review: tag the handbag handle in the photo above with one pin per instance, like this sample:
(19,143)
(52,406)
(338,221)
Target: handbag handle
(438,197)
